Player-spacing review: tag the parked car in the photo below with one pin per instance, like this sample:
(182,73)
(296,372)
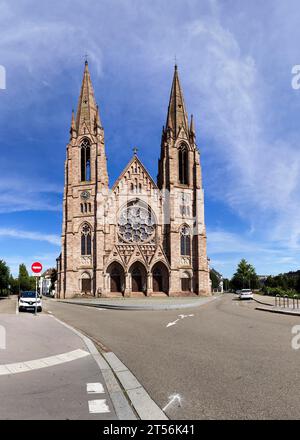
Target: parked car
(246,294)
(29,301)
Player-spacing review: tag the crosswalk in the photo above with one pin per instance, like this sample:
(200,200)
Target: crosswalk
(97,406)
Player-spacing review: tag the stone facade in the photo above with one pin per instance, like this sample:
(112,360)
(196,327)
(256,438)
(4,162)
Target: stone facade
(138,237)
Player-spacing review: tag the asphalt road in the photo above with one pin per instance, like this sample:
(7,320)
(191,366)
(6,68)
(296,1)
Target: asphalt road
(227,361)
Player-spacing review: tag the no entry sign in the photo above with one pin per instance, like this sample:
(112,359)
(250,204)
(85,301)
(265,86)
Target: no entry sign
(36,267)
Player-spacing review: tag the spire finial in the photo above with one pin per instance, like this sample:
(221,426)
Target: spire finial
(86,59)
(175,60)
(135,150)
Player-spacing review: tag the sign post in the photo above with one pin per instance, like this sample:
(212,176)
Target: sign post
(36,269)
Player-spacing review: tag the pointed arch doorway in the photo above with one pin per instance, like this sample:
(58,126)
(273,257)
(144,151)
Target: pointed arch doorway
(160,278)
(138,277)
(117,278)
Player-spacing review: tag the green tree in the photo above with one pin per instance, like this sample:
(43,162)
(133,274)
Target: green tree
(24,279)
(226,284)
(53,279)
(4,277)
(245,276)
(14,285)
(214,279)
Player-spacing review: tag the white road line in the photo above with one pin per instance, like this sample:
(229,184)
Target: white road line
(22,367)
(98,406)
(94,388)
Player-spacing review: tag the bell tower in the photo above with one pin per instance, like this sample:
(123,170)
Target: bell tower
(179,177)
(85,176)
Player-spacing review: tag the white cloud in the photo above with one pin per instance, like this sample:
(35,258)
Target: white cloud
(30,235)
(19,193)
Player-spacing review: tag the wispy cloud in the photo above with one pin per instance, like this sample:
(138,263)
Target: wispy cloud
(30,235)
(19,193)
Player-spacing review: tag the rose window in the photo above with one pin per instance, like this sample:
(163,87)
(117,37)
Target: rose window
(136,224)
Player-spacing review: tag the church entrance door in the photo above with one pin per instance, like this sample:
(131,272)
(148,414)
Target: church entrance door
(137,284)
(160,278)
(157,281)
(138,277)
(115,283)
(86,285)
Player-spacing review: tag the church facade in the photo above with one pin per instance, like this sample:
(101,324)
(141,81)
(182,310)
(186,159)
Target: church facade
(138,237)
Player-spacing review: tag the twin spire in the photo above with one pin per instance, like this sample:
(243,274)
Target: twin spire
(88,111)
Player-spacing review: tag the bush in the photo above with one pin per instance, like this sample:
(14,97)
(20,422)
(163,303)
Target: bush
(273,291)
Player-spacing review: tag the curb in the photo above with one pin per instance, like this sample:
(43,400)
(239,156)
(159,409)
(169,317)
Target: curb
(280,311)
(150,307)
(111,367)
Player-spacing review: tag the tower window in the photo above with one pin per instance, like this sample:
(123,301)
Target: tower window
(86,240)
(185,241)
(85,160)
(183,165)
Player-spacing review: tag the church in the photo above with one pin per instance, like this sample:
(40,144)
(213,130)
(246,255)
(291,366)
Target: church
(138,237)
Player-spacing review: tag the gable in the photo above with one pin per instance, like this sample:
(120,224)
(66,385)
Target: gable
(134,179)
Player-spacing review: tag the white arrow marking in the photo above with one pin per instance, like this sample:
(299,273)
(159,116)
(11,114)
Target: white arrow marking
(172,399)
(172,323)
(175,322)
(184,316)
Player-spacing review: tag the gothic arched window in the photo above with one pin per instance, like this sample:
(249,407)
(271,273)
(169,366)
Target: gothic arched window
(185,241)
(86,240)
(183,164)
(85,158)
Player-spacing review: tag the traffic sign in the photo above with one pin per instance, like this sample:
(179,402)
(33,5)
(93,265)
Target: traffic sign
(36,267)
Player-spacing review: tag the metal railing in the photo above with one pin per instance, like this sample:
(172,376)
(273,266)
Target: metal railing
(287,302)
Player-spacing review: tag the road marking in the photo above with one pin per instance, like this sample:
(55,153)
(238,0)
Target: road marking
(94,388)
(22,367)
(173,399)
(98,406)
(170,324)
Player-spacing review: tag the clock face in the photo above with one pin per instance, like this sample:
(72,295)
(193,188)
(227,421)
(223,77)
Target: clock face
(85,195)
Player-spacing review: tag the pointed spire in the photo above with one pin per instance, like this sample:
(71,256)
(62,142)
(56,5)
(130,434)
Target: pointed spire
(87,109)
(73,125)
(97,119)
(177,116)
(192,126)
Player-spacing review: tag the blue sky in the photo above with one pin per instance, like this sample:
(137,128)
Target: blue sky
(235,60)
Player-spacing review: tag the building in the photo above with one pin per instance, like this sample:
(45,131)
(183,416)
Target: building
(45,282)
(139,237)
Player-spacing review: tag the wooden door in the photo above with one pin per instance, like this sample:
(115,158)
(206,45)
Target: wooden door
(86,285)
(115,283)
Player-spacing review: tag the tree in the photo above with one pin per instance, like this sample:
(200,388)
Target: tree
(53,279)
(4,277)
(244,277)
(226,283)
(24,279)
(214,279)
(14,285)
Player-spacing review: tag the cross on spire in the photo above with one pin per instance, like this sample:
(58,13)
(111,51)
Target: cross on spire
(135,150)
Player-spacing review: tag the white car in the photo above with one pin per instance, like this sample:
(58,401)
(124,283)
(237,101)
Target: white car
(29,301)
(245,294)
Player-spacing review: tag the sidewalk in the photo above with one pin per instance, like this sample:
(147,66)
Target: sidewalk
(267,304)
(48,372)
